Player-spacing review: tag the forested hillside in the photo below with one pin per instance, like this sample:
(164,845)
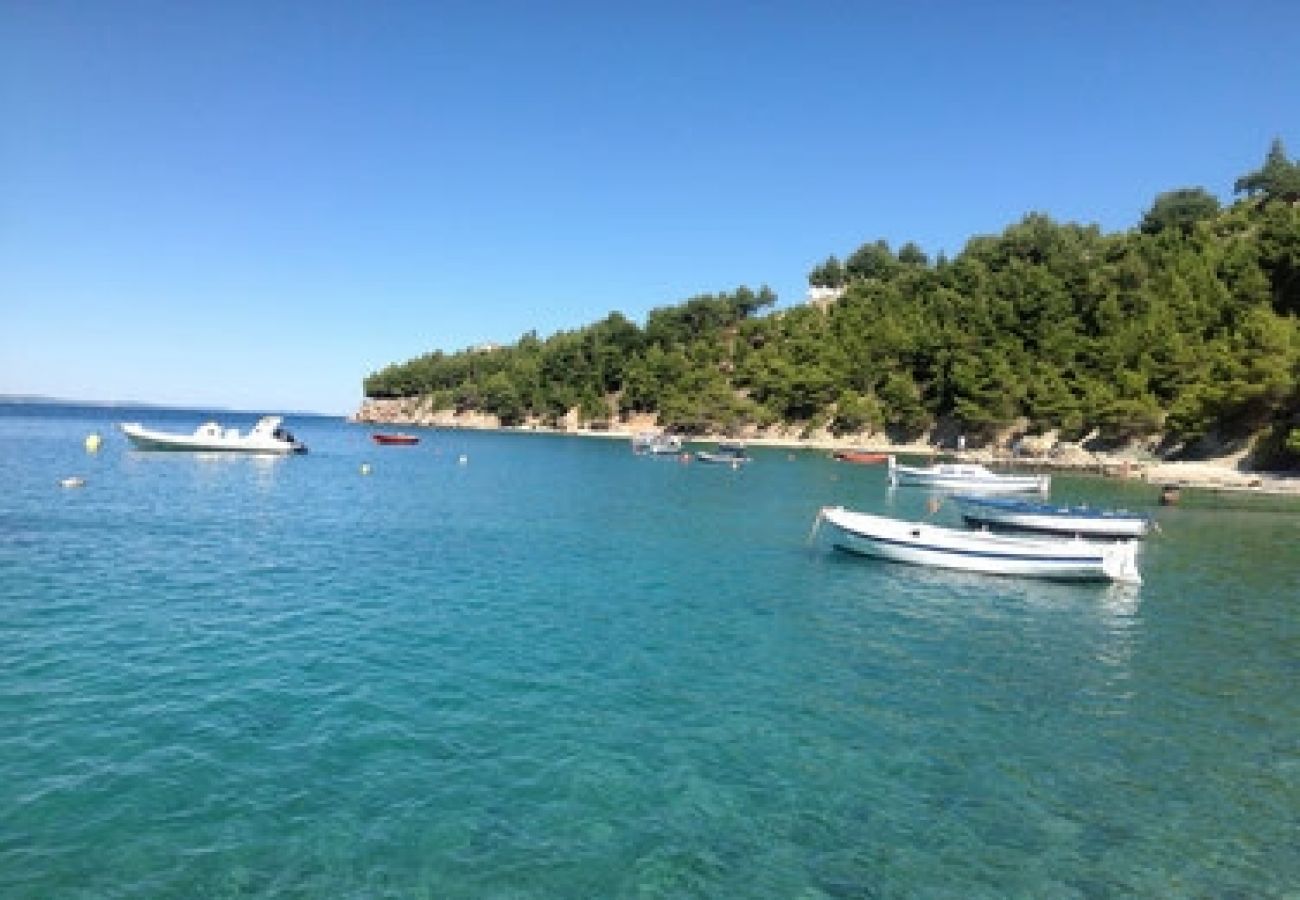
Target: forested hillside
(1184,326)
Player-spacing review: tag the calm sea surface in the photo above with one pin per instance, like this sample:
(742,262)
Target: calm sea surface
(559,670)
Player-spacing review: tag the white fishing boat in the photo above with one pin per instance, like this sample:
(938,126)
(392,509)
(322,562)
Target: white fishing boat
(266,436)
(965,477)
(1024,515)
(657,444)
(921,543)
(727,453)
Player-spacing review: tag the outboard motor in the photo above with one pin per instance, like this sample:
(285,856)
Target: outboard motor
(284,434)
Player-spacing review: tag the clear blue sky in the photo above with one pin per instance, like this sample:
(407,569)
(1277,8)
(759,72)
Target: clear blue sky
(255,204)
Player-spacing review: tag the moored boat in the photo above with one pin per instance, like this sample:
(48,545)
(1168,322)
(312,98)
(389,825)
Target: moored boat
(861,457)
(726,454)
(398,438)
(657,444)
(266,436)
(1023,515)
(965,477)
(921,543)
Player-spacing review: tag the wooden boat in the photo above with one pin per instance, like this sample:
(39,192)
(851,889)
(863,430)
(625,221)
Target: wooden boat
(861,457)
(266,436)
(1023,515)
(965,477)
(921,543)
(726,454)
(397,439)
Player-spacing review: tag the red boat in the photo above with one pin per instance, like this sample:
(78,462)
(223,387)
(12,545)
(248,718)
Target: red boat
(395,439)
(861,457)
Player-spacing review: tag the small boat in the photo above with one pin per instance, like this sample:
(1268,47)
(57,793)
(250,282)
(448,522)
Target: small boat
(1023,515)
(726,454)
(657,444)
(921,543)
(266,436)
(965,477)
(398,438)
(861,457)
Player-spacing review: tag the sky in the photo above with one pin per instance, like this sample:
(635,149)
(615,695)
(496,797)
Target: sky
(254,205)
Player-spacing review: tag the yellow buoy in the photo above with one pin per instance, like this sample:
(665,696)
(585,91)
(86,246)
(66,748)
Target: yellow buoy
(93,442)
(365,468)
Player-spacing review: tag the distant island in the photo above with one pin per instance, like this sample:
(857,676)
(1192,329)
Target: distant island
(42,400)
(1178,337)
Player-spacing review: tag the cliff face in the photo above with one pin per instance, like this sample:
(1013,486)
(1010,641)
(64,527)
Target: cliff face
(1011,442)
(419,411)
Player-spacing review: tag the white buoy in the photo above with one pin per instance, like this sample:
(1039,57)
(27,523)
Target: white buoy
(365,468)
(73,482)
(463,459)
(93,442)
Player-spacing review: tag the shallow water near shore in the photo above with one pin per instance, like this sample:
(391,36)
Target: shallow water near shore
(561,670)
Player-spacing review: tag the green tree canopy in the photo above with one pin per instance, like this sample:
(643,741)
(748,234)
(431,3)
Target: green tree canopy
(1180,209)
(1277,179)
(1185,326)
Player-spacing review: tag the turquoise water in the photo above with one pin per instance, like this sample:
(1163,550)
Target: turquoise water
(559,670)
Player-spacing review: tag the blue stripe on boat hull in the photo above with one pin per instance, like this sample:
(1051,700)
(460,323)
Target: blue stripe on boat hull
(1048,509)
(980,554)
(1046,575)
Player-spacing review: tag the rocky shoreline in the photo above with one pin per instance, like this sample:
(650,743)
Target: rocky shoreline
(1224,473)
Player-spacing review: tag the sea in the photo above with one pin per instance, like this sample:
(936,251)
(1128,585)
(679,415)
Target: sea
(522,665)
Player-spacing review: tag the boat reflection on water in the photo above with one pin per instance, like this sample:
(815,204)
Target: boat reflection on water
(208,469)
(1122,599)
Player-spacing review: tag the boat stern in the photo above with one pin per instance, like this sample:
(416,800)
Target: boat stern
(1119,562)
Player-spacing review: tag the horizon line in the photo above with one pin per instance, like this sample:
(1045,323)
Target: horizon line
(37,399)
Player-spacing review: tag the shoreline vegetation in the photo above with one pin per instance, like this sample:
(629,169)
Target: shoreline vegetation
(1227,472)
(1171,350)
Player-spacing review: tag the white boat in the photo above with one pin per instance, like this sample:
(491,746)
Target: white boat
(264,437)
(657,444)
(965,477)
(727,454)
(1023,515)
(924,544)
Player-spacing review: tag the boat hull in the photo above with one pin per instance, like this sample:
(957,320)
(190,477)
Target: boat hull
(656,444)
(1044,519)
(862,459)
(999,484)
(721,459)
(930,545)
(968,478)
(400,440)
(215,441)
